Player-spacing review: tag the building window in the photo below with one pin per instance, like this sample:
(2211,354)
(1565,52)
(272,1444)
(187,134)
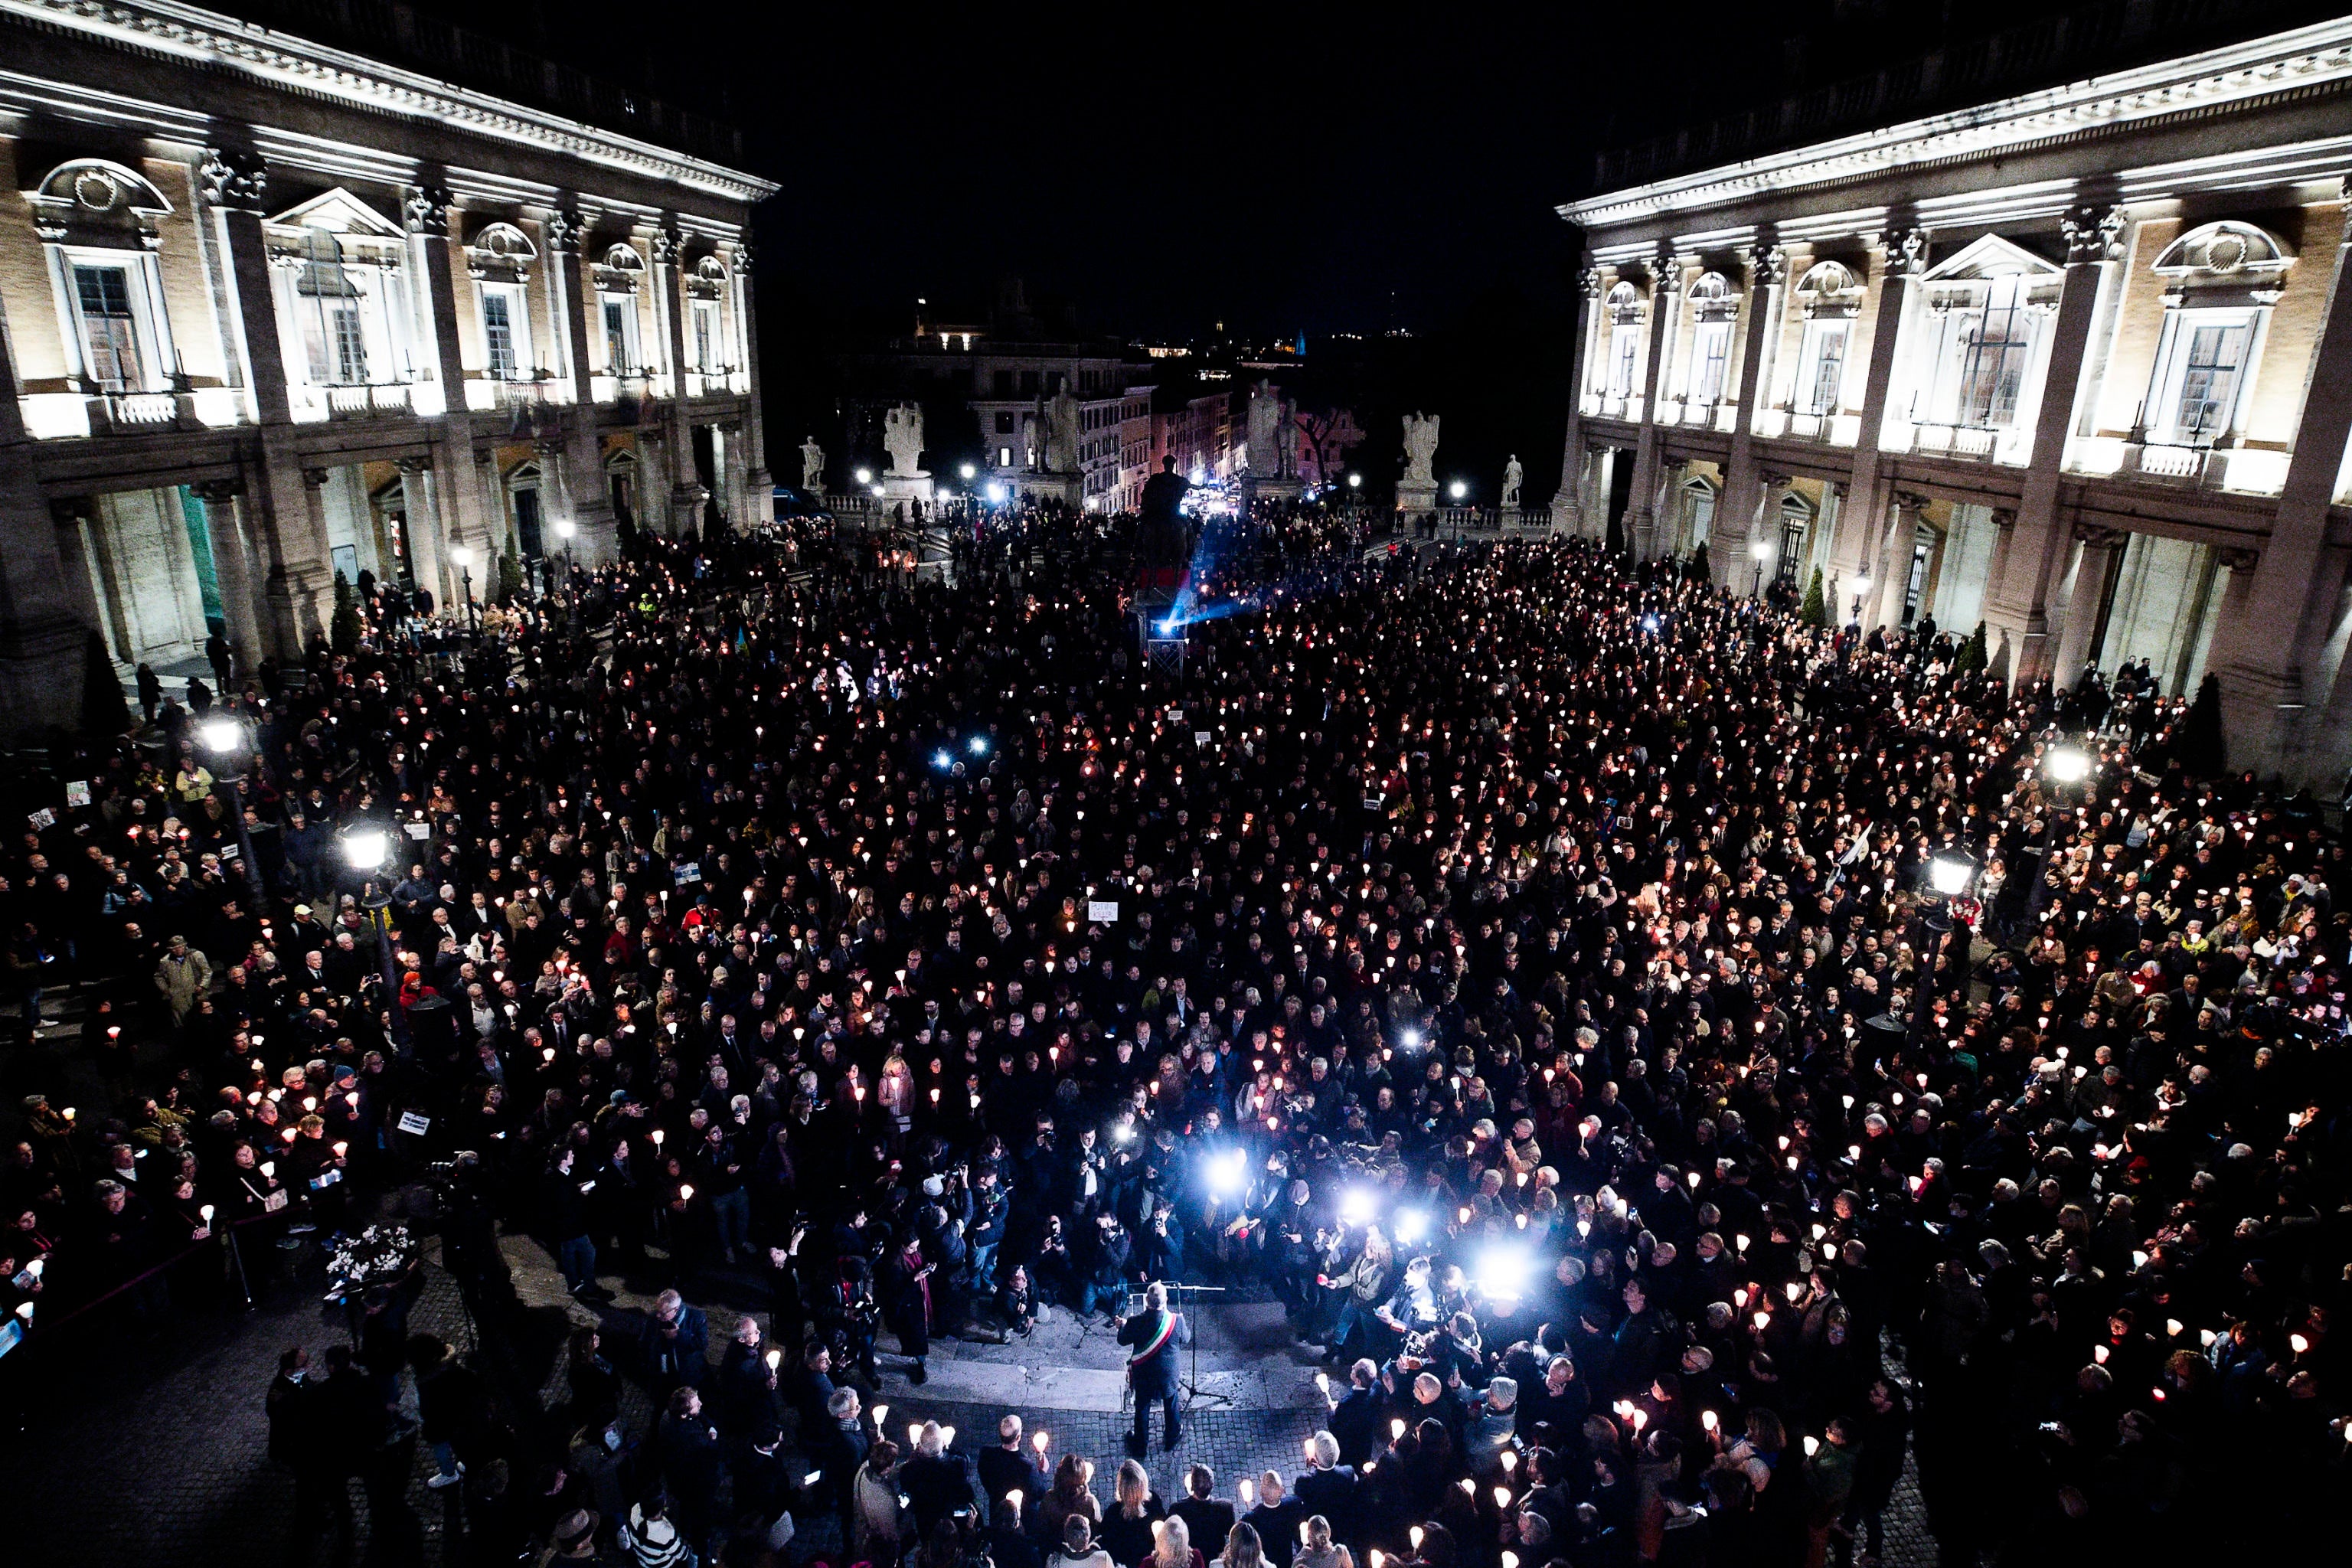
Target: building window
(1713,355)
(2209,380)
(619,333)
(332,340)
(1623,346)
(1821,373)
(110,329)
(705,334)
(504,334)
(1996,347)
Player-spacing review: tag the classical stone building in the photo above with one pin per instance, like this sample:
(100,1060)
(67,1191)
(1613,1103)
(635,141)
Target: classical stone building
(273,311)
(2076,364)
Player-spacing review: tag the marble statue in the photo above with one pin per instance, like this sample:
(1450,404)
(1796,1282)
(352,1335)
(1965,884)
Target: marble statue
(1511,483)
(1061,451)
(1266,423)
(1420,449)
(811,467)
(902,437)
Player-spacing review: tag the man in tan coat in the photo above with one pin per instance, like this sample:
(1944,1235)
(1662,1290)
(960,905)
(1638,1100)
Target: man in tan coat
(183,975)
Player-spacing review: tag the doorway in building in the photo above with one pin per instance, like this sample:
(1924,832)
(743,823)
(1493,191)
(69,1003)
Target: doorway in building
(390,506)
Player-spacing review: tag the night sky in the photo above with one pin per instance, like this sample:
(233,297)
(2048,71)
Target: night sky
(1285,169)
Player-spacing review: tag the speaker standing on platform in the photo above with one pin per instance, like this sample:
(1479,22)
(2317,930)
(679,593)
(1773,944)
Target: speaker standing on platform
(1155,1335)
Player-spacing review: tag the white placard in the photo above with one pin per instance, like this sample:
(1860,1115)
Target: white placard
(414,1122)
(1102,909)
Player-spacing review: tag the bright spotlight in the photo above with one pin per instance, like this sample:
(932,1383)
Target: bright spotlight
(996,494)
(2066,764)
(1229,1172)
(1411,1225)
(941,761)
(1503,1273)
(1409,1039)
(1123,1133)
(220,735)
(1358,1205)
(977,745)
(365,848)
(1649,622)
(1949,873)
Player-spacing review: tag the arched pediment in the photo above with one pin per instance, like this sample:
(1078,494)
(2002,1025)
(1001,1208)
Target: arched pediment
(2229,249)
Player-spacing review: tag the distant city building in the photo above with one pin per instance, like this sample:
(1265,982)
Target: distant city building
(277,312)
(2075,364)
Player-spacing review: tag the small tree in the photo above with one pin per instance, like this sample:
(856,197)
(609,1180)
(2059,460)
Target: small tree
(1812,613)
(1973,657)
(343,630)
(2201,748)
(509,574)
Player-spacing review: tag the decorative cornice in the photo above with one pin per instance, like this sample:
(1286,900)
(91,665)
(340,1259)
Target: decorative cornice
(562,230)
(1907,252)
(425,209)
(1668,273)
(238,181)
(208,38)
(2093,234)
(668,245)
(2121,103)
(1767,265)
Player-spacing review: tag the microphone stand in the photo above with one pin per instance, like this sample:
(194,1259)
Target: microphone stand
(1190,1385)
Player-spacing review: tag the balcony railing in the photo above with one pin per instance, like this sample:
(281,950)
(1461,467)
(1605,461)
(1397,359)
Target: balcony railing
(363,401)
(1980,441)
(2157,460)
(134,410)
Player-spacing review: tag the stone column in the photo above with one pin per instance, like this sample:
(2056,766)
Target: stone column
(1641,511)
(1905,258)
(232,570)
(1891,571)
(41,637)
(1736,512)
(424,213)
(1750,573)
(681,511)
(577,478)
(758,503)
(235,186)
(2017,606)
(1573,459)
(2268,684)
(427,541)
(2083,607)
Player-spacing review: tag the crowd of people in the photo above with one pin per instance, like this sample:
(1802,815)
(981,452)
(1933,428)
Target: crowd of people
(1520,963)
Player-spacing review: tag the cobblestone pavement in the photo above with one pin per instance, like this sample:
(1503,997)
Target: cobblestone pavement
(158,1454)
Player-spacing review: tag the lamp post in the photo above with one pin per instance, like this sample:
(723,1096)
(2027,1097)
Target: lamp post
(1762,549)
(366,845)
(1949,873)
(224,739)
(1861,590)
(567,530)
(465,555)
(2065,765)
(1456,492)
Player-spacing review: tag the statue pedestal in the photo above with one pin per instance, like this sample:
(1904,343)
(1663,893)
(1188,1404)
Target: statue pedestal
(1275,488)
(1068,489)
(906,486)
(1415,500)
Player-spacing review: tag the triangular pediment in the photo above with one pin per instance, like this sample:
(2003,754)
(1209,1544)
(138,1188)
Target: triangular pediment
(1990,256)
(338,212)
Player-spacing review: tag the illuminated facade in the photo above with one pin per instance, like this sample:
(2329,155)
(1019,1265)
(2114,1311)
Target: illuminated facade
(2075,364)
(276,312)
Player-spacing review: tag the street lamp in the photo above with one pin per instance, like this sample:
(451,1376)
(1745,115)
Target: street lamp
(366,845)
(1861,589)
(567,530)
(865,477)
(466,556)
(224,739)
(1950,874)
(1762,549)
(969,473)
(1458,489)
(2063,764)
